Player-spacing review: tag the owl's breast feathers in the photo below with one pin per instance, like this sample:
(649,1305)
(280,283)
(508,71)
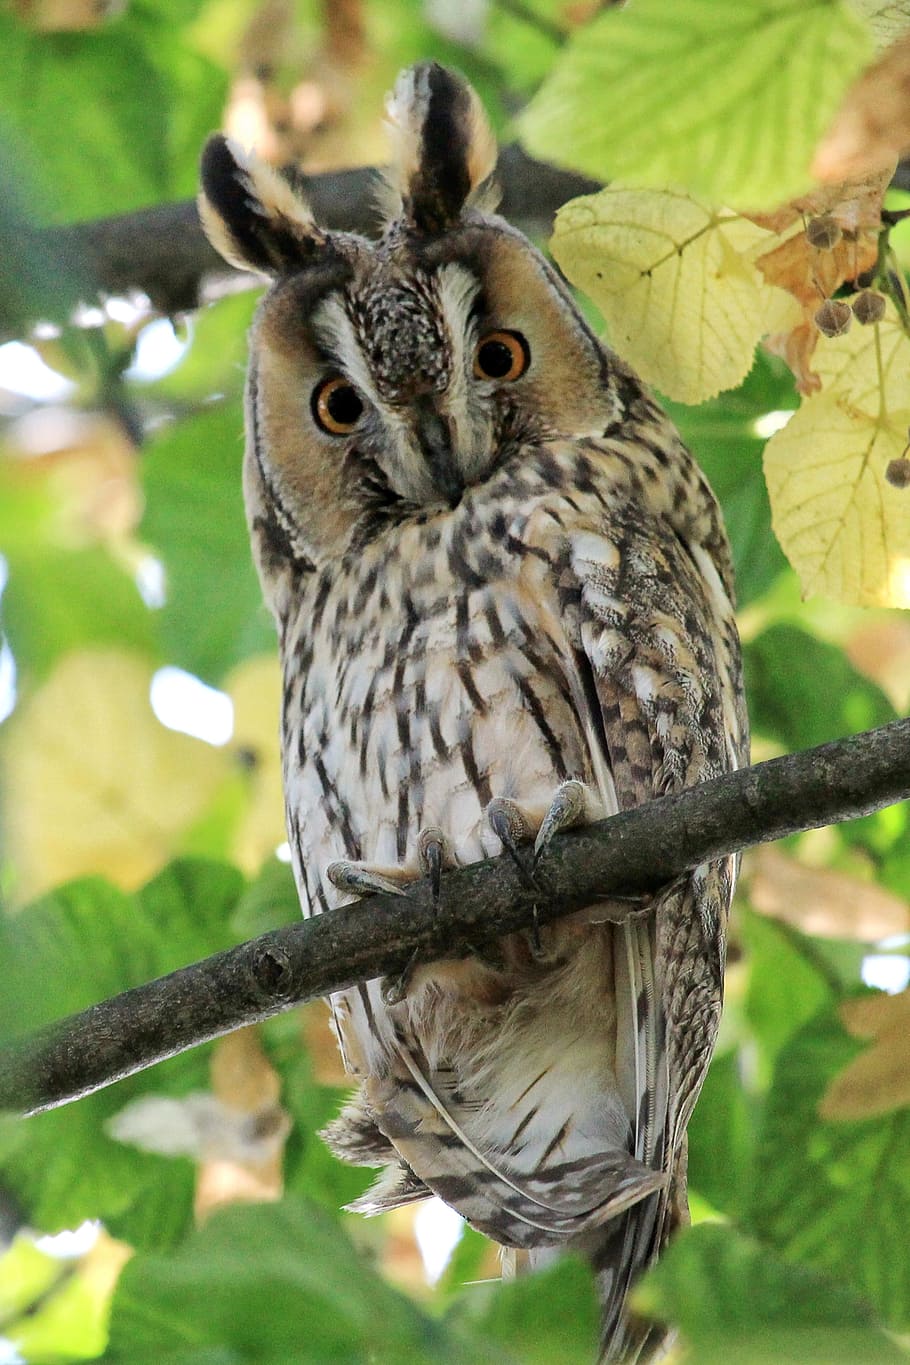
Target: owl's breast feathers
(570,618)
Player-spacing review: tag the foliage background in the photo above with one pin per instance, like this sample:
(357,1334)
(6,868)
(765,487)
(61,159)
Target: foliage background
(130,849)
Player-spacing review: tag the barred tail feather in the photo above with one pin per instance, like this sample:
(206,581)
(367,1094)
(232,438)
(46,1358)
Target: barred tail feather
(633,1244)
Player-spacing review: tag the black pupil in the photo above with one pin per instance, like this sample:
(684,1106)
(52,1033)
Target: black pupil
(344,405)
(495,358)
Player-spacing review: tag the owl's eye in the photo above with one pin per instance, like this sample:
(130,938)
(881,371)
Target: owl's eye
(337,406)
(501,355)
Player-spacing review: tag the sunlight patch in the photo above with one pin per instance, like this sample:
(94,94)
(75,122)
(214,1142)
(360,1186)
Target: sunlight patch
(185,703)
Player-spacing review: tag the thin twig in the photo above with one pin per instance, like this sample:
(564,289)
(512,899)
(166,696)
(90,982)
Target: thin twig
(633,853)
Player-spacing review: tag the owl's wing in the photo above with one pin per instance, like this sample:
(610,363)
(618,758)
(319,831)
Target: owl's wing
(657,680)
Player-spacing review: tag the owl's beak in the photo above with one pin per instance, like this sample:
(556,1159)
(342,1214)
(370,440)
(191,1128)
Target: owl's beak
(434,437)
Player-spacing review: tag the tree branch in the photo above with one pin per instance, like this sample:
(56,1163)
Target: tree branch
(162,251)
(631,854)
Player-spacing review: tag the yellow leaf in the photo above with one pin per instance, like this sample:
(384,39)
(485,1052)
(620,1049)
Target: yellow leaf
(868,367)
(255,689)
(675,280)
(843,527)
(66,1319)
(887,19)
(94,783)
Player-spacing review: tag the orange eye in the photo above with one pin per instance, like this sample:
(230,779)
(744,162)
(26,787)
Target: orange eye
(337,406)
(501,355)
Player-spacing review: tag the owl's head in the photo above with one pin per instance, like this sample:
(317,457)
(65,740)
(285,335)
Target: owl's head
(387,378)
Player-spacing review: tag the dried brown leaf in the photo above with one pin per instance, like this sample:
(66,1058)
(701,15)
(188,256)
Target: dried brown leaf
(245,1082)
(818,901)
(881,650)
(878,1080)
(871,1015)
(812,274)
(872,127)
(854,203)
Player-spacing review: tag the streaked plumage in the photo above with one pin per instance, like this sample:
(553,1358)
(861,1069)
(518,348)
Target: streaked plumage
(484,589)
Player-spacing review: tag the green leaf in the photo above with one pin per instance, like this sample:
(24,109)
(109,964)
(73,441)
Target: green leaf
(736,1300)
(217,354)
(789,981)
(726,97)
(57,600)
(546,1317)
(270,1283)
(213,616)
(82,943)
(269,901)
(197,95)
(310,1169)
(91,108)
(34,280)
(723,1122)
(723,439)
(835,1195)
(803,691)
(50,1309)
(465,1263)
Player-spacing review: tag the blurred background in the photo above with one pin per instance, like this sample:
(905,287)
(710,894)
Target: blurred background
(142,822)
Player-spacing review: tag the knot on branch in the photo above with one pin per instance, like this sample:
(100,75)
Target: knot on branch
(271,969)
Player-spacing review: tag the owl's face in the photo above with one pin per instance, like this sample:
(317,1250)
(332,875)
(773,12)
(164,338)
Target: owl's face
(388,378)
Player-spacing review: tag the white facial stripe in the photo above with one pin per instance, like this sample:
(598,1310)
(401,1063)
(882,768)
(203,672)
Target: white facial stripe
(336,334)
(458,288)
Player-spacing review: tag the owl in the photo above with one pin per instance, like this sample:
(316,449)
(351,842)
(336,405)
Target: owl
(504,602)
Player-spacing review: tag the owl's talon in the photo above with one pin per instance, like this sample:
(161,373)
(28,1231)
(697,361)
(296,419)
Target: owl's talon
(394,989)
(361,880)
(432,850)
(569,807)
(508,822)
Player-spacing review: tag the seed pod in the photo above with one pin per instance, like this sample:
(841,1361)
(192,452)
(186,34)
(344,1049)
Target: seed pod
(897,472)
(823,232)
(868,307)
(833,318)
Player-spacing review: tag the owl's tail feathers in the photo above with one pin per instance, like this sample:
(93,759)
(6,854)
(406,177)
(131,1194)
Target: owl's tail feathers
(355,1137)
(630,1247)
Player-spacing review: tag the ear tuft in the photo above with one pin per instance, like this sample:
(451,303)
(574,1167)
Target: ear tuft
(443,148)
(251,214)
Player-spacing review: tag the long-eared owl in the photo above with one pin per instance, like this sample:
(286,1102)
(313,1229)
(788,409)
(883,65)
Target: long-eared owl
(503,595)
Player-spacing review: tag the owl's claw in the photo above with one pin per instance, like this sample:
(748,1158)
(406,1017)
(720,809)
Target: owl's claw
(510,825)
(394,989)
(572,803)
(569,807)
(432,852)
(361,880)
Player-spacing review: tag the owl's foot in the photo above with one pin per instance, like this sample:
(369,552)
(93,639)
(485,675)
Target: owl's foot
(573,803)
(361,879)
(365,879)
(512,827)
